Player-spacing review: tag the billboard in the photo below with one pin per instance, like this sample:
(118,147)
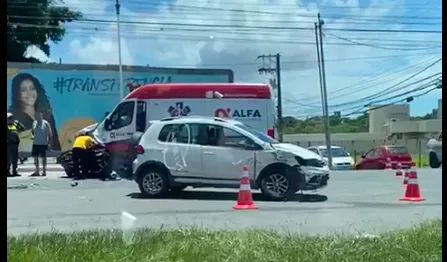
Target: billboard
(74,96)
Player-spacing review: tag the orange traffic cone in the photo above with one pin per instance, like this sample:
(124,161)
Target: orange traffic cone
(388,165)
(244,197)
(412,192)
(399,169)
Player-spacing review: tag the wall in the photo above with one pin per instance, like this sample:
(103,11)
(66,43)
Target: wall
(358,142)
(383,115)
(74,96)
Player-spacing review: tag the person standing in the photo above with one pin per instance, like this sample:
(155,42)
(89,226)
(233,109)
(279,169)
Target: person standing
(42,139)
(12,142)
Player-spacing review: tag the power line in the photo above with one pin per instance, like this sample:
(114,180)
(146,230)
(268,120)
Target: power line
(378,46)
(171,7)
(186,37)
(363,103)
(389,104)
(367,83)
(278,28)
(362,110)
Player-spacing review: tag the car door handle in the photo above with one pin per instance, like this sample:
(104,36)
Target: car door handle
(208,153)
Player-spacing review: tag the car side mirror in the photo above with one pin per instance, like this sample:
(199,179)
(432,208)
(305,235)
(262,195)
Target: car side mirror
(362,156)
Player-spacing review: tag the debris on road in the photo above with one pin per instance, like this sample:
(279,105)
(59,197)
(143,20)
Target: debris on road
(74,184)
(17,187)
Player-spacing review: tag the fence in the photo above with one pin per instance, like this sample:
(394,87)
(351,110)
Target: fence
(416,147)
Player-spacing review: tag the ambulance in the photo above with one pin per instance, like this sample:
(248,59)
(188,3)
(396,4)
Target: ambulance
(251,104)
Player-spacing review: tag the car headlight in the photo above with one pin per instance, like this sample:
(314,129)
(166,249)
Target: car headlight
(310,162)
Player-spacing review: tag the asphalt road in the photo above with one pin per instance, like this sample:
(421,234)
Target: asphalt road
(365,201)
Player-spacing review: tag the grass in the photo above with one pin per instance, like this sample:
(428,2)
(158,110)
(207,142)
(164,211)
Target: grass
(424,160)
(422,243)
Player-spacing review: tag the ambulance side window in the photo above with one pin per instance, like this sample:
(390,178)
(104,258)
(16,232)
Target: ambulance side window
(141,116)
(123,115)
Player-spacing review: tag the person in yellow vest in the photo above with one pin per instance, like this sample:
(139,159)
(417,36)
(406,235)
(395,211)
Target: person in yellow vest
(82,155)
(12,142)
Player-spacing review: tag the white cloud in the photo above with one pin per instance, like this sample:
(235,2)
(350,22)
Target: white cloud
(35,52)
(237,47)
(100,51)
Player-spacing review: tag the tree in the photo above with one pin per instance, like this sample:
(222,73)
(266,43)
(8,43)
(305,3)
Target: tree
(338,124)
(34,22)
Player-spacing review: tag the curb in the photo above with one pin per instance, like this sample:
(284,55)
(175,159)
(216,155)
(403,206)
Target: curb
(49,169)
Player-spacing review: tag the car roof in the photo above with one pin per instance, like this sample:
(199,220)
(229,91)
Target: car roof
(391,146)
(324,146)
(199,119)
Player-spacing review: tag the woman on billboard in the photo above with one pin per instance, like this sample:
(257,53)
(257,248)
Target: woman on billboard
(28,96)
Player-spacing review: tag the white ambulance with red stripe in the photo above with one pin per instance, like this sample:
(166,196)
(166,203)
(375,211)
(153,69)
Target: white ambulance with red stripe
(251,104)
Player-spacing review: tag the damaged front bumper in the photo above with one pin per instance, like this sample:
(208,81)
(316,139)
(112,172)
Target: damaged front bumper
(315,177)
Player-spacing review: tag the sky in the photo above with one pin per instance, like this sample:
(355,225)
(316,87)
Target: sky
(376,51)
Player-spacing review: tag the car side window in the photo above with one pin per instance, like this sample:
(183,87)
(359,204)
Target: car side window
(225,137)
(179,133)
(370,153)
(123,115)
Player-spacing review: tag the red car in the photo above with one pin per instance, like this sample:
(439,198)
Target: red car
(377,157)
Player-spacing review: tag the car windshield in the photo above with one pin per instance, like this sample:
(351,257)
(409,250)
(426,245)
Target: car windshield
(335,152)
(261,136)
(397,150)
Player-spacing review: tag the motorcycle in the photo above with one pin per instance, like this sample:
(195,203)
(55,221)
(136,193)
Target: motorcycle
(99,168)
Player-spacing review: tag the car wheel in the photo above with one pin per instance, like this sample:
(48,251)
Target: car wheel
(153,183)
(277,186)
(433,159)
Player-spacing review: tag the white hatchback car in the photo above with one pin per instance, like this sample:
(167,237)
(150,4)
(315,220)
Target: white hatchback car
(196,151)
(341,159)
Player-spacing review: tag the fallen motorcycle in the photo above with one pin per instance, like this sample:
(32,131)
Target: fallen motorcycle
(99,168)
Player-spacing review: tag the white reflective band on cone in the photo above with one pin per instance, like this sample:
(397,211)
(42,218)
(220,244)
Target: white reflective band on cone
(412,181)
(245,174)
(244,187)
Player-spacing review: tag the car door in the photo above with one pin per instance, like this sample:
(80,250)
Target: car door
(181,154)
(119,127)
(368,162)
(225,153)
(379,158)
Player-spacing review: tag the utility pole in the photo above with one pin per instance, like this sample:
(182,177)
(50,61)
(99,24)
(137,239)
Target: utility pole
(275,71)
(319,71)
(324,93)
(120,63)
